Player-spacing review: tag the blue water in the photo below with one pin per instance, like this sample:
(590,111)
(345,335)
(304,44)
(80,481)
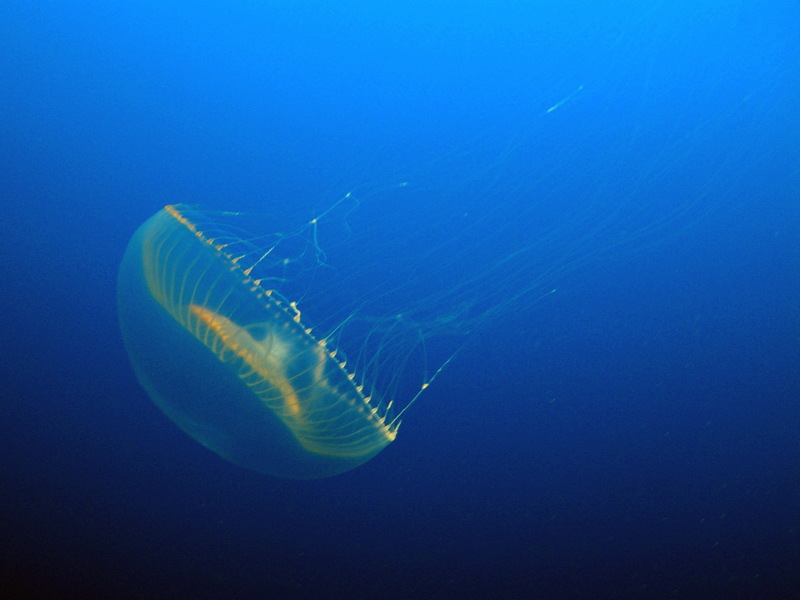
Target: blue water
(633,434)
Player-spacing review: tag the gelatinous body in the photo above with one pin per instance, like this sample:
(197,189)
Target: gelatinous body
(230,361)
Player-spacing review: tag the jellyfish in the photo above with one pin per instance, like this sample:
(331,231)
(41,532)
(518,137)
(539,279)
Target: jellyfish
(211,312)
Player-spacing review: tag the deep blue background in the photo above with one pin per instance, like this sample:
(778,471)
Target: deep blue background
(634,435)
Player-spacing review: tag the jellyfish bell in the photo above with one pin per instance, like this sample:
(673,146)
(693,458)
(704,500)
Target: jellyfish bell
(231,361)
